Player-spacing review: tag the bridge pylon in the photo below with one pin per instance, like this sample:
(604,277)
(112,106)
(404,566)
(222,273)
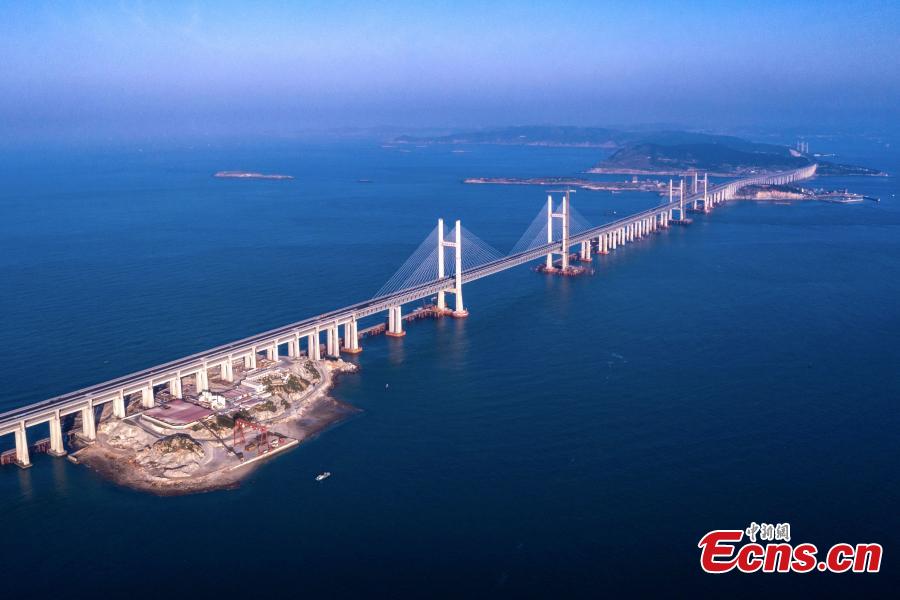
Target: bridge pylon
(563,217)
(459,310)
(706,206)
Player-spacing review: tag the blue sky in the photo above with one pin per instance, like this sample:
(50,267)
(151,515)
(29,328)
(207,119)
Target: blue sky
(228,67)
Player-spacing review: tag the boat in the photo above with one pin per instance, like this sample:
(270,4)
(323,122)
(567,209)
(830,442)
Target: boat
(324,475)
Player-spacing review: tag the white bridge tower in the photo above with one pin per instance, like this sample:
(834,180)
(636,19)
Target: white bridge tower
(459,310)
(564,217)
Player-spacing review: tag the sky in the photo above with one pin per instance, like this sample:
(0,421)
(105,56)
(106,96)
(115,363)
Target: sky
(235,68)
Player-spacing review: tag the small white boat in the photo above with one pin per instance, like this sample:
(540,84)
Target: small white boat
(324,475)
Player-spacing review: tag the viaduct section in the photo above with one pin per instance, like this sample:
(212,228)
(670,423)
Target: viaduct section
(320,336)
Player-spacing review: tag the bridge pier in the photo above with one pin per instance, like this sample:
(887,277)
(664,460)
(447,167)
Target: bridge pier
(585,253)
(147,400)
(395,322)
(351,338)
(22,457)
(293,347)
(57,448)
(88,424)
(312,345)
(175,384)
(227,370)
(119,405)
(331,341)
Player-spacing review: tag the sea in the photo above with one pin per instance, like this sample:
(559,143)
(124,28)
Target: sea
(573,437)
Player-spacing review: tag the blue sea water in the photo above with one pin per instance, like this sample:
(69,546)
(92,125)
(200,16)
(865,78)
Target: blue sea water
(572,436)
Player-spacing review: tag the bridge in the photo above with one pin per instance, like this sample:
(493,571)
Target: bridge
(428,273)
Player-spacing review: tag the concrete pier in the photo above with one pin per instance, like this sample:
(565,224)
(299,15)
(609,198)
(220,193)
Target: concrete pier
(22,457)
(147,399)
(119,405)
(227,371)
(312,345)
(351,338)
(88,426)
(331,344)
(57,448)
(585,254)
(395,322)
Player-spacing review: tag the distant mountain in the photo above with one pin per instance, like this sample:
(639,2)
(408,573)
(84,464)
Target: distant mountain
(830,168)
(722,158)
(530,135)
(602,137)
(651,152)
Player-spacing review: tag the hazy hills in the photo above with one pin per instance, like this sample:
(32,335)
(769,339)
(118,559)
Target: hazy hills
(652,152)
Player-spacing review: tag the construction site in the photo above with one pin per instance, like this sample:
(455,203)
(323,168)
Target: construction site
(206,438)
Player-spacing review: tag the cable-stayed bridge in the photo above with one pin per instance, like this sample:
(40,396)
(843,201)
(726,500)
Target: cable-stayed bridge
(440,266)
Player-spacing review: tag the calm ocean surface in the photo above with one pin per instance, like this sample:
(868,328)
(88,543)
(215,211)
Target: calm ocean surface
(573,436)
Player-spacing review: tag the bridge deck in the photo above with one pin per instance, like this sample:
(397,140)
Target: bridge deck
(104,392)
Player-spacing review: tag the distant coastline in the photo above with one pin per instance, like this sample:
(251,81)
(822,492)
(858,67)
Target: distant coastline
(250,175)
(658,153)
(645,185)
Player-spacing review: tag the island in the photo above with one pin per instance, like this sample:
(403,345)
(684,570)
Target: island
(717,159)
(792,192)
(249,175)
(209,440)
(669,153)
(633,185)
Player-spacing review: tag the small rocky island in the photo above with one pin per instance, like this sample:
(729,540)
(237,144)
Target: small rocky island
(250,175)
(210,440)
(791,192)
